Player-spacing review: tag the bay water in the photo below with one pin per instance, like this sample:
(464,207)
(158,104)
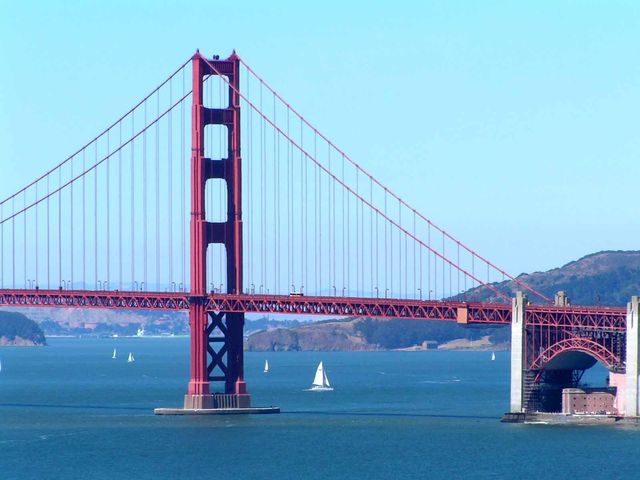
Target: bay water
(69,410)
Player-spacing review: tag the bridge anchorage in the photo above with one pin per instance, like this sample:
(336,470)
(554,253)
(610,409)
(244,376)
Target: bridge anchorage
(552,346)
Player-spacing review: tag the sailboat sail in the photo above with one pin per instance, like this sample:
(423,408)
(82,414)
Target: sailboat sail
(266,366)
(114,353)
(325,379)
(493,355)
(320,377)
(130,359)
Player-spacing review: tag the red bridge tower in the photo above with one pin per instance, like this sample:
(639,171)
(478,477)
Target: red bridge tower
(216,337)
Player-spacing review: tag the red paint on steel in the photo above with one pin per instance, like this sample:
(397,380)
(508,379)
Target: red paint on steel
(198,381)
(203,233)
(578,344)
(119,300)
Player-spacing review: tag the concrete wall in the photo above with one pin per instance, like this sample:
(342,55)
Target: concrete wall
(631,380)
(517,353)
(618,381)
(576,400)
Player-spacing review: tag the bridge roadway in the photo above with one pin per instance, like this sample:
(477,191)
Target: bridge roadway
(583,317)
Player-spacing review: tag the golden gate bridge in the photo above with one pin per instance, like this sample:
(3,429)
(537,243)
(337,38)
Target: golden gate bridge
(214,195)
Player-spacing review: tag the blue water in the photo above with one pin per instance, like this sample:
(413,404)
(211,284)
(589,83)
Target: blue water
(70,411)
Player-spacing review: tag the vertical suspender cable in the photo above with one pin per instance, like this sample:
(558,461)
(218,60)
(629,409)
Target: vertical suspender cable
(329,221)
(71,220)
(59,228)
(24,235)
(107,167)
(13,242)
(95,217)
(1,245)
(183,227)
(120,207)
(289,187)
(36,223)
(249,150)
(414,256)
(344,227)
(133,210)
(276,155)
(371,234)
(263,198)
(429,259)
(144,197)
(157,205)
(358,219)
(170,180)
(84,226)
(443,267)
(303,213)
(316,220)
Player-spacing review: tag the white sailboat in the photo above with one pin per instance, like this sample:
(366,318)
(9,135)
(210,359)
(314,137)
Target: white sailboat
(114,353)
(130,359)
(266,366)
(320,381)
(493,355)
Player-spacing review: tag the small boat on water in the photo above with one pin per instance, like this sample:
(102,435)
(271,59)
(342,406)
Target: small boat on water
(130,359)
(320,381)
(266,366)
(114,353)
(493,355)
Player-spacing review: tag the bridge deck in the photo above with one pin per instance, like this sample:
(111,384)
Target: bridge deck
(597,317)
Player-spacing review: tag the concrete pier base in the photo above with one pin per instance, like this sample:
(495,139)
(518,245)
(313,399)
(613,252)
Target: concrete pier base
(217,400)
(217,404)
(216,411)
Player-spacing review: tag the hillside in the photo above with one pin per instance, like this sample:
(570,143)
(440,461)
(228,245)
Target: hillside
(606,278)
(365,334)
(16,329)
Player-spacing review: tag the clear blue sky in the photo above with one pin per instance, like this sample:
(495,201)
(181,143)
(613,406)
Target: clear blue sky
(512,124)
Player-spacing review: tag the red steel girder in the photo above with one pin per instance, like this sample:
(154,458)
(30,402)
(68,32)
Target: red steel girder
(462,312)
(94,299)
(600,352)
(601,318)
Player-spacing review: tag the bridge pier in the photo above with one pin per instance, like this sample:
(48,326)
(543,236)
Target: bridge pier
(631,368)
(517,353)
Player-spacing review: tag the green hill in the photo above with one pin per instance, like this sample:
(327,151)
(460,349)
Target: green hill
(16,329)
(607,278)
